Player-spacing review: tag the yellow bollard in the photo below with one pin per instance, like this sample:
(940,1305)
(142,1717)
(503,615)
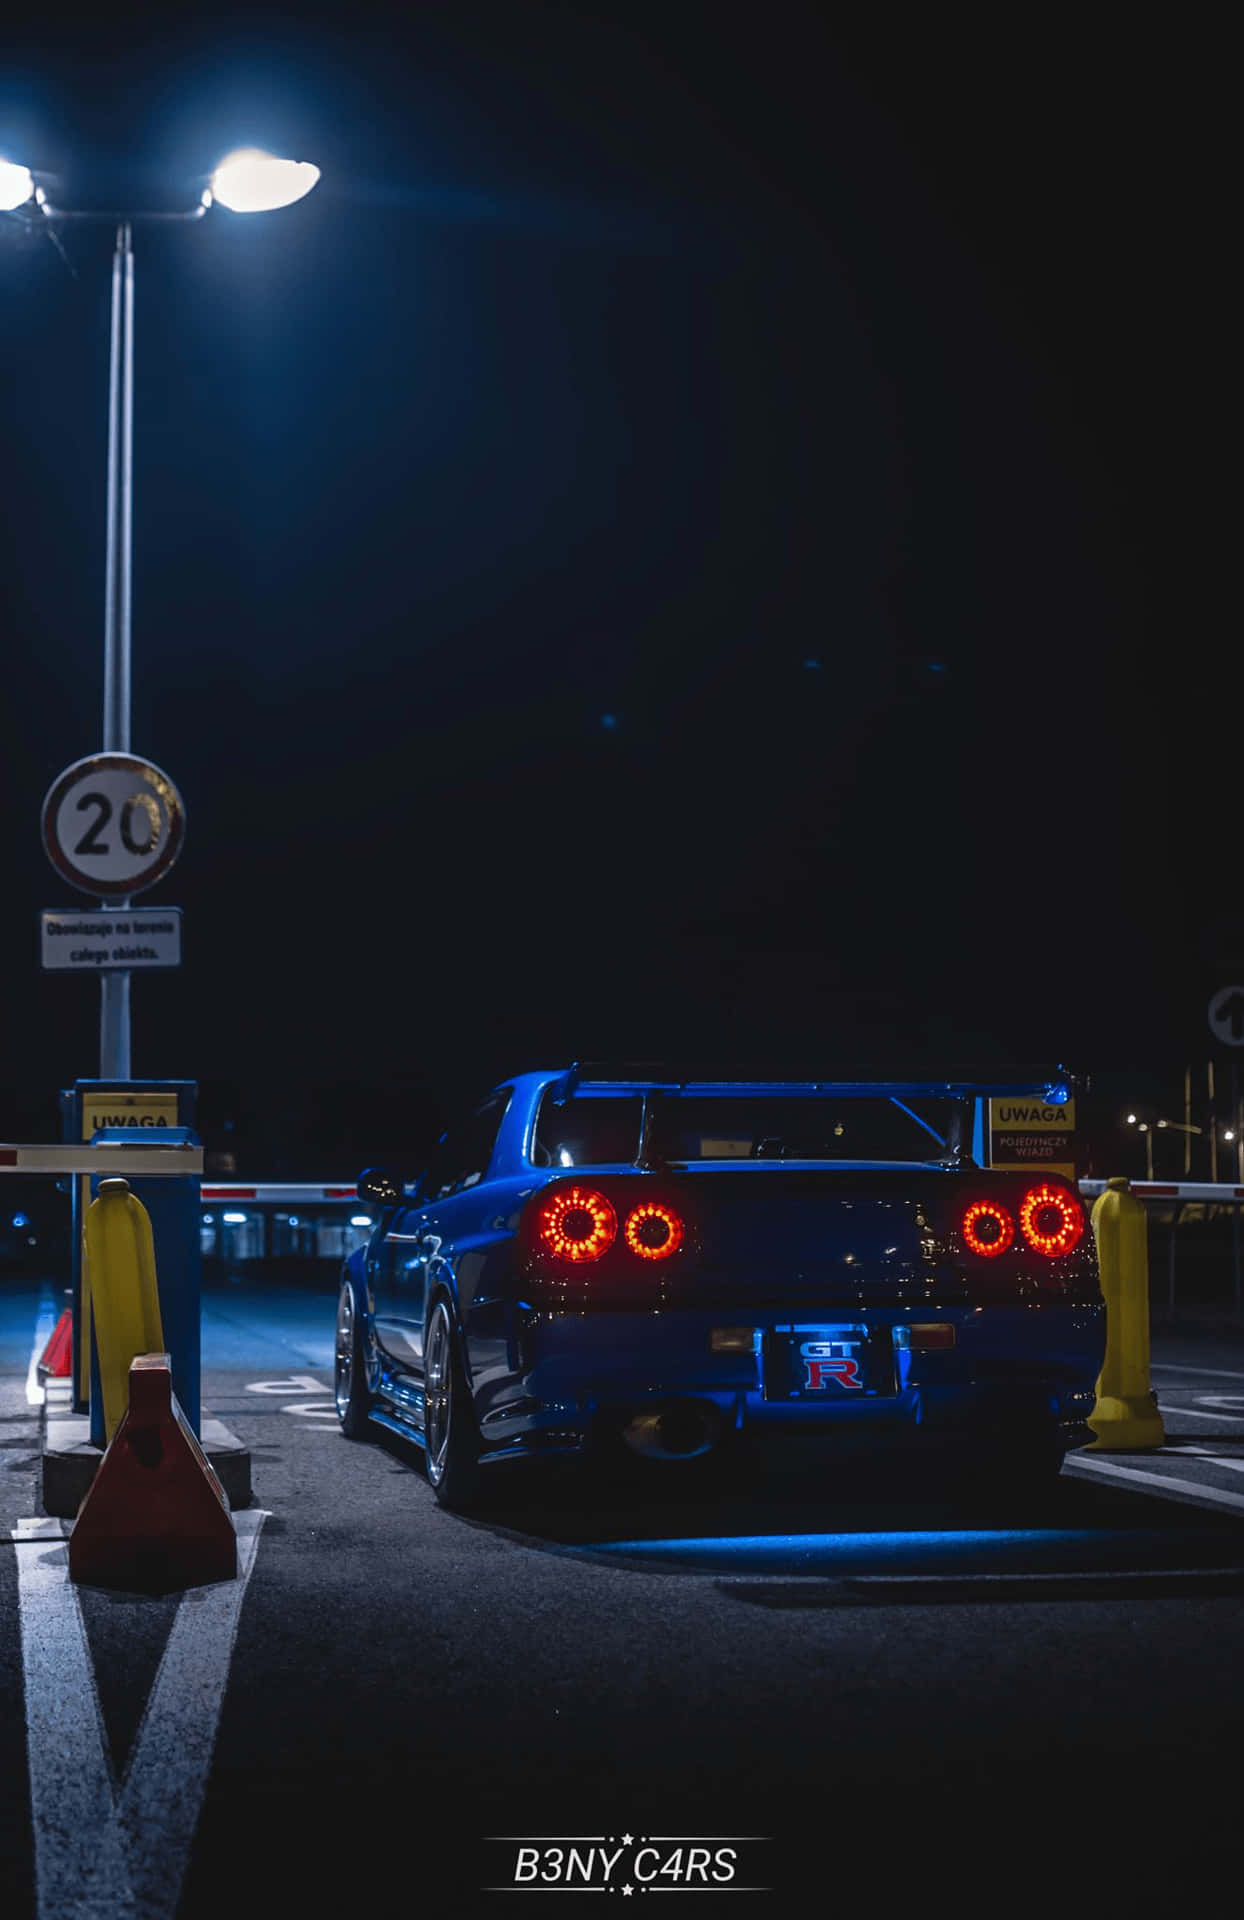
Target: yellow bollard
(1126,1412)
(118,1255)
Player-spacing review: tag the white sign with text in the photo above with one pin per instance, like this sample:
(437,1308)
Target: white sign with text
(82,940)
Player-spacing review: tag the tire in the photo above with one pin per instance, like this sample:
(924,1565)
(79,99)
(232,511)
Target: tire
(350,1389)
(451,1436)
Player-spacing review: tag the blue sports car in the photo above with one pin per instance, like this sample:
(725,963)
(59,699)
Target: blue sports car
(663,1267)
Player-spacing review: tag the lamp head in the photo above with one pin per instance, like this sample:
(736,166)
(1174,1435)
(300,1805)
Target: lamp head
(16,186)
(252,181)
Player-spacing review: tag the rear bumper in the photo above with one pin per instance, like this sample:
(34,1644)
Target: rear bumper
(1010,1370)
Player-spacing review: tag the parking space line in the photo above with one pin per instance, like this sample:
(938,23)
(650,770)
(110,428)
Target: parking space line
(101,1854)
(1192,1492)
(1200,1373)
(80,1869)
(1228,1460)
(1202,1413)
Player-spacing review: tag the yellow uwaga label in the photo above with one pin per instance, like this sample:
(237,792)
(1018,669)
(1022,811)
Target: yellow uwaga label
(127,1110)
(1034,1138)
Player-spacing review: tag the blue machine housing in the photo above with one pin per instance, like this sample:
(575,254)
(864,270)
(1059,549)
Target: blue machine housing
(805,1296)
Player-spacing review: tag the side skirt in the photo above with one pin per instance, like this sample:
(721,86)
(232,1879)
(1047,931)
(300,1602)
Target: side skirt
(405,1430)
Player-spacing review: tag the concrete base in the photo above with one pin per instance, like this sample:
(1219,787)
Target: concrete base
(69,1459)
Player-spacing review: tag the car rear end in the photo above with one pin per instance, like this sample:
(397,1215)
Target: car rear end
(676,1306)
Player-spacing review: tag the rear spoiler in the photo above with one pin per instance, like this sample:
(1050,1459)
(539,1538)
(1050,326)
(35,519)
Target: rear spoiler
(596,1083)
(582,1083)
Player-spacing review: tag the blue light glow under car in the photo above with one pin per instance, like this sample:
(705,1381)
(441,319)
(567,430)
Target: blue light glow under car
(1006,1550)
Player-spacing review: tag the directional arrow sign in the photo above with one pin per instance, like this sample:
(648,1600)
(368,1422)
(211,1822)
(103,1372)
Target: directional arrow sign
(1226,1016)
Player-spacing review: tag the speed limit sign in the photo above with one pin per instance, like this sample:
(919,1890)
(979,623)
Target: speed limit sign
(113,824)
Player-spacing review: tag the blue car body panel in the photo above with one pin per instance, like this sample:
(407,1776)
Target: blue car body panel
(802,1300)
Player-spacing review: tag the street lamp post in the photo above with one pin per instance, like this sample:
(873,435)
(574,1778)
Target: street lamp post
(248,181)
(1144,1126)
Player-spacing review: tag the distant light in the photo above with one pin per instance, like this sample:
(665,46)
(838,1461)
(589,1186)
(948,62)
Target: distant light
(813,666)
(1161,1123)
(1142,1128)
(20,1220)
(1131,1119)
(1058,1094)
(610,721)
(1228,1134)
(16,186)
(252,181)
(293,1220)
(937,666)
(234,1219)
(564,1156)
(209,1219)
(360,1220)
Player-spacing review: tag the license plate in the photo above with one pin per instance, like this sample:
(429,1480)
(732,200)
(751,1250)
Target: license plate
(827,1363)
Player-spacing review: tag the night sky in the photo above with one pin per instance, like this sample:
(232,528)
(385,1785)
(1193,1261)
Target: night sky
(704,537)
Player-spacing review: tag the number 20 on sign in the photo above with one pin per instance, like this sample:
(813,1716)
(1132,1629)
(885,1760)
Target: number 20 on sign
(113,824)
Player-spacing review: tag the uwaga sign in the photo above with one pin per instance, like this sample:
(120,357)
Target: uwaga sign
(1032,1137)
(127,1110)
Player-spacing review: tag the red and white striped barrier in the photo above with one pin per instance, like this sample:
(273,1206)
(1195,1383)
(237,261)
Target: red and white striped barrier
(1219,1190)
(265,1193)
(122,1158)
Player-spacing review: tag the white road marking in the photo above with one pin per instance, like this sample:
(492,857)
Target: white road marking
(1062,1575)
(1207,1453)
(45,1327)
(293,1383)
(172,1753)
(310,1410)
(100,1854)
(1191,1491)
(1201,1373)
(80,1869)
(1203,1413)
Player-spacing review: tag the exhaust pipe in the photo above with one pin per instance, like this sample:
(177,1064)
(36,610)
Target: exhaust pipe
(678,1430)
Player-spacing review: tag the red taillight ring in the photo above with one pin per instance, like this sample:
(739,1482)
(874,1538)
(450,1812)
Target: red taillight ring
(653,1231)
(988,1229)
(1052,1220)
(577,1223)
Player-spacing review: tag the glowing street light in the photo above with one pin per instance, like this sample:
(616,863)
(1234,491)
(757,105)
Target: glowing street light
(252,181)
(248,181)
(16,186)
(1144,1126)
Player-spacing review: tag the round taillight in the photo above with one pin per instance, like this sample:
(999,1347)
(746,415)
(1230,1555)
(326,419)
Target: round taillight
(988,1229)
(577,1223)
(1052,1220)
(653,1231)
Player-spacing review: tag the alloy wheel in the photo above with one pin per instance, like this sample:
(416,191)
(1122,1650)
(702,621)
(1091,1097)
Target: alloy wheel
(436,1393)
(343,1358)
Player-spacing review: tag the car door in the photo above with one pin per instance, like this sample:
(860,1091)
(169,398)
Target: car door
(455,1206)
(397,1275)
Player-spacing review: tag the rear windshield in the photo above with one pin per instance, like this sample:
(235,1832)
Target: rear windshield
(594,1132)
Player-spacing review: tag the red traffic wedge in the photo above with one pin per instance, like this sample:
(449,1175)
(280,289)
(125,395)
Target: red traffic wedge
(156,1519)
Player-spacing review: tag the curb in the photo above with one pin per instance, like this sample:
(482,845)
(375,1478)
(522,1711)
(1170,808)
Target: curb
(70,1461)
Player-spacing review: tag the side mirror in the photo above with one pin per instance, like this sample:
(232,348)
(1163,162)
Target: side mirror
(381,1186)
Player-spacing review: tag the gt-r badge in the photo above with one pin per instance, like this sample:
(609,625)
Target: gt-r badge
(822,1362)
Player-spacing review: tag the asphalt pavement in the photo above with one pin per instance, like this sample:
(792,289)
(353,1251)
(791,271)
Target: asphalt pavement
(818,1683)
